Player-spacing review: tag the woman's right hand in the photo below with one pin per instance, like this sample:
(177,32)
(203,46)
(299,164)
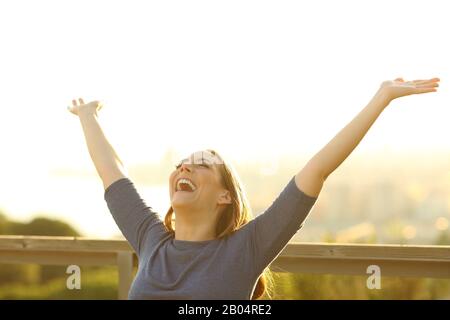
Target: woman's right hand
(79,107)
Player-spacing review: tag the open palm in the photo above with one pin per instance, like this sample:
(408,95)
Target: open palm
(81,106)
(399,87)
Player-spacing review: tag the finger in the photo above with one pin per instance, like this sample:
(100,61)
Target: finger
(74,102)
(425,90)
(419,81)
(428,85)
(81,101)
(427,81)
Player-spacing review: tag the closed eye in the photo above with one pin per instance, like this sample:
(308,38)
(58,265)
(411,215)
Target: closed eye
(201,164)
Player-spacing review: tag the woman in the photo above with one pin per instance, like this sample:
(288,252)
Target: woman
(215,250)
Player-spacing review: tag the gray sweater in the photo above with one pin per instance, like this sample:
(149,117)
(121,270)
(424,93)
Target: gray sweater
(226,268)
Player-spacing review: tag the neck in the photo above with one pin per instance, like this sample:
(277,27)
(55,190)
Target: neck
(193,228)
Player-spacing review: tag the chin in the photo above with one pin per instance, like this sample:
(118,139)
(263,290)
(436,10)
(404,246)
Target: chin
(178,201)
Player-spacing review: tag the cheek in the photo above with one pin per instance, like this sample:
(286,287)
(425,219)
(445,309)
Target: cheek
(171,180)
(210,187)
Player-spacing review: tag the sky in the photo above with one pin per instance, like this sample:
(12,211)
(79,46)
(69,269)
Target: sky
(252,79)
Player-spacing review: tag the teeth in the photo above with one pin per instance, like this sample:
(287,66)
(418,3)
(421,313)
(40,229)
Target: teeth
(182,180)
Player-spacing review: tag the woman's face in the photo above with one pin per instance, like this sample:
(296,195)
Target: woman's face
(196,183)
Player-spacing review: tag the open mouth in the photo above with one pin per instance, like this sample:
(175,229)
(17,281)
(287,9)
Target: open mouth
(185,185)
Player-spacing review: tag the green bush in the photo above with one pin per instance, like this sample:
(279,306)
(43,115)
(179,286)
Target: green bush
(315,287)
(26,274)
(95,284)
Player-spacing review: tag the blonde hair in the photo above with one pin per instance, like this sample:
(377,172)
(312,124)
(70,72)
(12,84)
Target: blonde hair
(232,218)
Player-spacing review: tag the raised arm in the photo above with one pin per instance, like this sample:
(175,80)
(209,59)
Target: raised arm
(107,163)
(138,222)
(311,178)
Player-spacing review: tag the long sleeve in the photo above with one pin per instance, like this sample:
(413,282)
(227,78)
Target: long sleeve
(271,231)
(140,225)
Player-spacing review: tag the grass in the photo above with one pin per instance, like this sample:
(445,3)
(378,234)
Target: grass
(95,284)
(315,287)
(102,284)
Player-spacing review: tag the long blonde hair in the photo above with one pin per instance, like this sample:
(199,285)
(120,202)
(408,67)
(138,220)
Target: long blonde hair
(232,218)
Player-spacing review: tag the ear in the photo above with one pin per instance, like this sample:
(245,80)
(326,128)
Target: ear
(224,197)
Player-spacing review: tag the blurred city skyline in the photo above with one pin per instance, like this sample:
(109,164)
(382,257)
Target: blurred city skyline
(385,197)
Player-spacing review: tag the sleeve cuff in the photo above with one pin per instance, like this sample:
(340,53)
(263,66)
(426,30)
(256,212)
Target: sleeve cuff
(294,191)
(115,185)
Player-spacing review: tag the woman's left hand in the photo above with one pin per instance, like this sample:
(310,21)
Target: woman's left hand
(399,87)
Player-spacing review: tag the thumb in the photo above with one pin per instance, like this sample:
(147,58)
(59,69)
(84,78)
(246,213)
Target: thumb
(71,110)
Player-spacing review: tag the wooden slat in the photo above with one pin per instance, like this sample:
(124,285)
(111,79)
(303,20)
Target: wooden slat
(58,258)
(340,251)
(42,243)
(400,268)
(367,251)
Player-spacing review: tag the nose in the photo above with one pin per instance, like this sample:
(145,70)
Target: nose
(184,167)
